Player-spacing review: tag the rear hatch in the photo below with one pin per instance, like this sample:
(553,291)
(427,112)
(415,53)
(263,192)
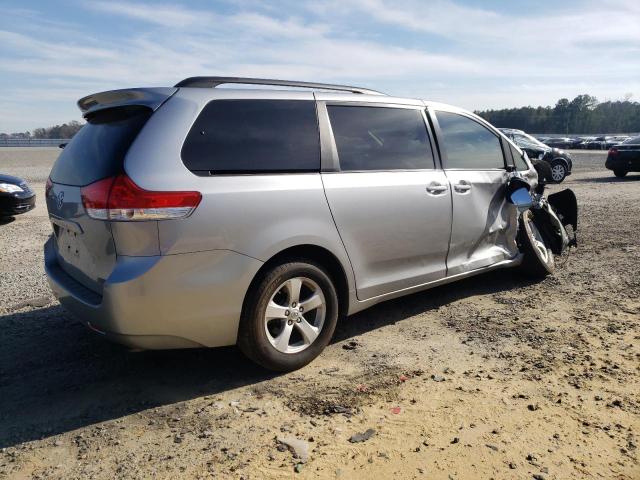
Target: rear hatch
(85,247)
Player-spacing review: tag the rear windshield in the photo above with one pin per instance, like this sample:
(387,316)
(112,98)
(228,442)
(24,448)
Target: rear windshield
(97,151)
(254,136)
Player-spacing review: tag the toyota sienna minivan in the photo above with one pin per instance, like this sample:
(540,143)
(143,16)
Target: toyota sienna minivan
(204,215)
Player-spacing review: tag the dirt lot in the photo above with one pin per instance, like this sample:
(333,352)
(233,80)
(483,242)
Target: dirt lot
(494,377)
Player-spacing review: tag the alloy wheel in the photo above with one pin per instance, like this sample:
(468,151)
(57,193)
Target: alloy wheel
(558,172)
(295,315)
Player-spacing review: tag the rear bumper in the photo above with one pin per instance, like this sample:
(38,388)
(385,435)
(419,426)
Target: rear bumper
(173,301)
(12,205)
(614,163)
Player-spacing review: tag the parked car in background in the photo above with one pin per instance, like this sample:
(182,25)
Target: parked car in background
(218,216)
(624,158)
(559,142)
(595,143)
(618,139)
(15,196)
(584,141)
(559,160)
(574,143)
(605,142)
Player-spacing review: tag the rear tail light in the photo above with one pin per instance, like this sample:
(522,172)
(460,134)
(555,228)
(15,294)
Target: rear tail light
(613,151)
(120,199)
(48,187)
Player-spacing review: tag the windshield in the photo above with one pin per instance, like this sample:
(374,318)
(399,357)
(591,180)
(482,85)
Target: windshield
(524,140)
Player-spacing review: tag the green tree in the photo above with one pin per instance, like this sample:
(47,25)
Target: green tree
(583,114)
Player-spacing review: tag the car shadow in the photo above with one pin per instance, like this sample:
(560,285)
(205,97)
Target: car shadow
(399,309)
(57,376)
(6,220)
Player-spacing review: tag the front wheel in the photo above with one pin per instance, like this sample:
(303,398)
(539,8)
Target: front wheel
(620,173)
(289,316)
(558,171)
(538,261)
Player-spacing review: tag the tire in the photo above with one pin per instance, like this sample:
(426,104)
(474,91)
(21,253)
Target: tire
(620,173)
(538,261)
(282,339)
(558,171)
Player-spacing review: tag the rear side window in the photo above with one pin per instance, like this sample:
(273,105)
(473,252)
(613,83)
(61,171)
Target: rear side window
(97,151)
(260,136)
(468,144)
(380,138)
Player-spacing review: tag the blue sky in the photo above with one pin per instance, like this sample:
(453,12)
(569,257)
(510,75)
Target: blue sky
(471,53)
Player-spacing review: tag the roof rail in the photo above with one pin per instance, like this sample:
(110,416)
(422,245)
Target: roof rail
(212,82)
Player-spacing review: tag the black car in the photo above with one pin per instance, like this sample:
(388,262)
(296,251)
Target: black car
(605,142)
(584,142)
(560,142)
(624,158)
(15,196)
(559,160)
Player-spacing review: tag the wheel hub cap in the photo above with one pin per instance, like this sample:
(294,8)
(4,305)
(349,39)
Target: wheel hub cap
(295,315)
(557,173)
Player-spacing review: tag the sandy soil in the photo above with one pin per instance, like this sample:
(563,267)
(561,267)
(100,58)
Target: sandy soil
(493,377)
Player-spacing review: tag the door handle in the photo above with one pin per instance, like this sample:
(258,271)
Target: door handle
(462,187)
(436,188)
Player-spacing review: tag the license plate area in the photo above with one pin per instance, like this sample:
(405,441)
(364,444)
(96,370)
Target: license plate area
(69,245)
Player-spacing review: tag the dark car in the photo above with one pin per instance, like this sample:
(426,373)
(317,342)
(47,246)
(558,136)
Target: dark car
(559,160)
(561,142)
(584,142)
(575,143)
(605,142)
(15,196)
(615,140)
(595,143)
(625,157)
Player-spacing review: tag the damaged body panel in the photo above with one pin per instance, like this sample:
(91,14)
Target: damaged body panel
(541,231)
(553,213)
(480,236)
(566,206)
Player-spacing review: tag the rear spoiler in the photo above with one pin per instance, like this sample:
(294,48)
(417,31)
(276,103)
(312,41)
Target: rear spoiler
(146,97)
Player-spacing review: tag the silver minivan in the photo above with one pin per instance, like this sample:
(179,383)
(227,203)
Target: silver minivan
(203,215)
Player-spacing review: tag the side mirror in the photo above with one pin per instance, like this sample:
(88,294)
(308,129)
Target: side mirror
(519,194)
(62,145)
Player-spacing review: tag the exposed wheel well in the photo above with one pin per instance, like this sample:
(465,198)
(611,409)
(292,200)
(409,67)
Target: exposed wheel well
(324,258)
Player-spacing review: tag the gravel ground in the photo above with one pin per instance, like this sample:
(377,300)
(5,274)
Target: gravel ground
(492,377)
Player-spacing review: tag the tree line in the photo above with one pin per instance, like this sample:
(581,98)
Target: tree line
(66,130)
(583,114)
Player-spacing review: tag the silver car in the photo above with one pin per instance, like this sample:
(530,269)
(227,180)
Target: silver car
(203,215)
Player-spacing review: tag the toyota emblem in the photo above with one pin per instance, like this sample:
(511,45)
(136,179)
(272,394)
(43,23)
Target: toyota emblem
(60,200)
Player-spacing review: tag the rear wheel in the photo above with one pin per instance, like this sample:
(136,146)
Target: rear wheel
(620,173)
(289,316)
(558,171)
(538,261)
